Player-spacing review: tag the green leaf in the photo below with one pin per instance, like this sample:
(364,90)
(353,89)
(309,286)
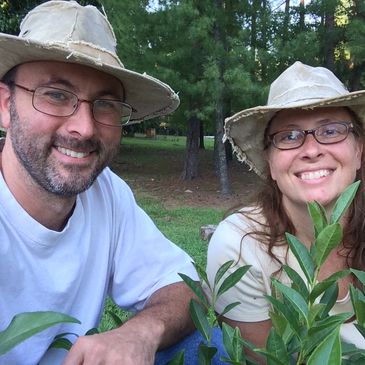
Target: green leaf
(289,314)
(329,238)
(361,329)
(360,275)
(343,202)
(178,358)
(358,303)
(206,354)
(61,343)
(229,307)
(116,319)
(302,255)
(233,343)
(92,331)
(298,283)
(200,320)
(296,300)
(277,348)
(318,215)
(232,279)
(202,274)
(221,271)
(322,329)
(195,286)
(25,325)
(328,352)
(324,284)
(329,298)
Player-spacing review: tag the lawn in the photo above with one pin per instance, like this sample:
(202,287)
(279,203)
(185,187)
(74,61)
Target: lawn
(180,224)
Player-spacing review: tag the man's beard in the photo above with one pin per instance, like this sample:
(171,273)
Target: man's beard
(34,153)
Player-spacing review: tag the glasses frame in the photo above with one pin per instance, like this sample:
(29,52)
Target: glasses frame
(77,104)
(349,128)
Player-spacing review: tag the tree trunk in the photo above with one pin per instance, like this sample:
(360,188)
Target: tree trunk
(201,136)
(219,148)
(191,164)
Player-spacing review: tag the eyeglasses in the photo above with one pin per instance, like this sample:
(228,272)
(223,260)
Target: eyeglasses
(325,134)
(62,103)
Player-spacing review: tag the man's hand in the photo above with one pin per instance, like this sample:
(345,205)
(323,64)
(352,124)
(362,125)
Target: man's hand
(164,321)
(122,346)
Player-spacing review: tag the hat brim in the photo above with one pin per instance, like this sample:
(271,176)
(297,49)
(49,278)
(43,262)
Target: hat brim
(148,96)
(245,129)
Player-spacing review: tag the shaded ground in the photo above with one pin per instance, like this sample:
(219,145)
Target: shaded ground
(155,172)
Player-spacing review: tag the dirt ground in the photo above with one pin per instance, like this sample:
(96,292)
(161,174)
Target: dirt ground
(157,173)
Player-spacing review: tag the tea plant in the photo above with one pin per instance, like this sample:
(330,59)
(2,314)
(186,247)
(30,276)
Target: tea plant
(303,329)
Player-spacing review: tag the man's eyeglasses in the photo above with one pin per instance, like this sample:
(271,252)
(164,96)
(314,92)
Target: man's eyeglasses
(325,134)
(62,103)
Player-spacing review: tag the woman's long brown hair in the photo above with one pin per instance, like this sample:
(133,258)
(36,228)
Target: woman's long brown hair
(269,205)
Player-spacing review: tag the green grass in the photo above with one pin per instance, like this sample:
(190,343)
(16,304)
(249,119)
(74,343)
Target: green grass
(163,142)
(181,226)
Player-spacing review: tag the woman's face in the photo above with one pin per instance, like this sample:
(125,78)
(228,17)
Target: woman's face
(313,171)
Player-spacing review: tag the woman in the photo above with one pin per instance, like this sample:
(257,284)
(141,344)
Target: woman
(307,144)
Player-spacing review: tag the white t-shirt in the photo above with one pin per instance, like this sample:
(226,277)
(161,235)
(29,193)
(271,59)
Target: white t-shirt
(227,243)
(108,247)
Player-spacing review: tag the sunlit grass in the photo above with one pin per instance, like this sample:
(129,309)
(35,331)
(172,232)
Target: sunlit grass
(181,226)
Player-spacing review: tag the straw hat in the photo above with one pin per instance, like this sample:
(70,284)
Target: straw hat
(68,32)
(298,87)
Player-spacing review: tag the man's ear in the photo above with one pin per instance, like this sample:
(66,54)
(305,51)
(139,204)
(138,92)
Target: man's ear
(4,105)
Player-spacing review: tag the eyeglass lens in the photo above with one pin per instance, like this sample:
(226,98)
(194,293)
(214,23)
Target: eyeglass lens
(62,103)
(324,134)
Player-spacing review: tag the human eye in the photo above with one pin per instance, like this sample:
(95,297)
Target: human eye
(55,96)
(332,130)
(106,106)
(288,137)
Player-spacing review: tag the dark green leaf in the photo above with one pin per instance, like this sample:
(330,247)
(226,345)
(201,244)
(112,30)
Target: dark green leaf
(61,343)
(202,274)
(302,255)
(287,312)
(298,283)
(92,331)
(25,325)
(296,300)
(360,275)
(328,351)
(324,284)
(344,201)
(358,303)
(232,279)
(329,298)
(277,348)
(322,329)
(318,215)
(195,286)
(200,320)
(228,308)
(329,238)
(206,354)
(178,359)
(221,271)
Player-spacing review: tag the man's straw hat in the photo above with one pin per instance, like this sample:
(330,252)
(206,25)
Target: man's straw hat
(298,87)
(68,32)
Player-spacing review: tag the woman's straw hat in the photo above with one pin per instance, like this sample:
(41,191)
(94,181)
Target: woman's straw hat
(298,87)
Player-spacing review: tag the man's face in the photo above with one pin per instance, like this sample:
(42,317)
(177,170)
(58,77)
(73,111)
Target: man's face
(63,155)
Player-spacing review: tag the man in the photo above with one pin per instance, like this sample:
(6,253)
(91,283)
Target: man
(70,230)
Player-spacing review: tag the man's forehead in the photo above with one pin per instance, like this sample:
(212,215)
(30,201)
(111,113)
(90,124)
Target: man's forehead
(67,74)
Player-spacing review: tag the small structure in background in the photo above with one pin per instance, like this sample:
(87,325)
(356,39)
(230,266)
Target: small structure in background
(207,231)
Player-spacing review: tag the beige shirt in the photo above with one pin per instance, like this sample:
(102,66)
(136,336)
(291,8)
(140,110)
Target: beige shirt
(227,244)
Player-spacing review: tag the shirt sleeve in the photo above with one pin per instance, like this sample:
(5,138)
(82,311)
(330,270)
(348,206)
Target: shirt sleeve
(144,259)
(229,242)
